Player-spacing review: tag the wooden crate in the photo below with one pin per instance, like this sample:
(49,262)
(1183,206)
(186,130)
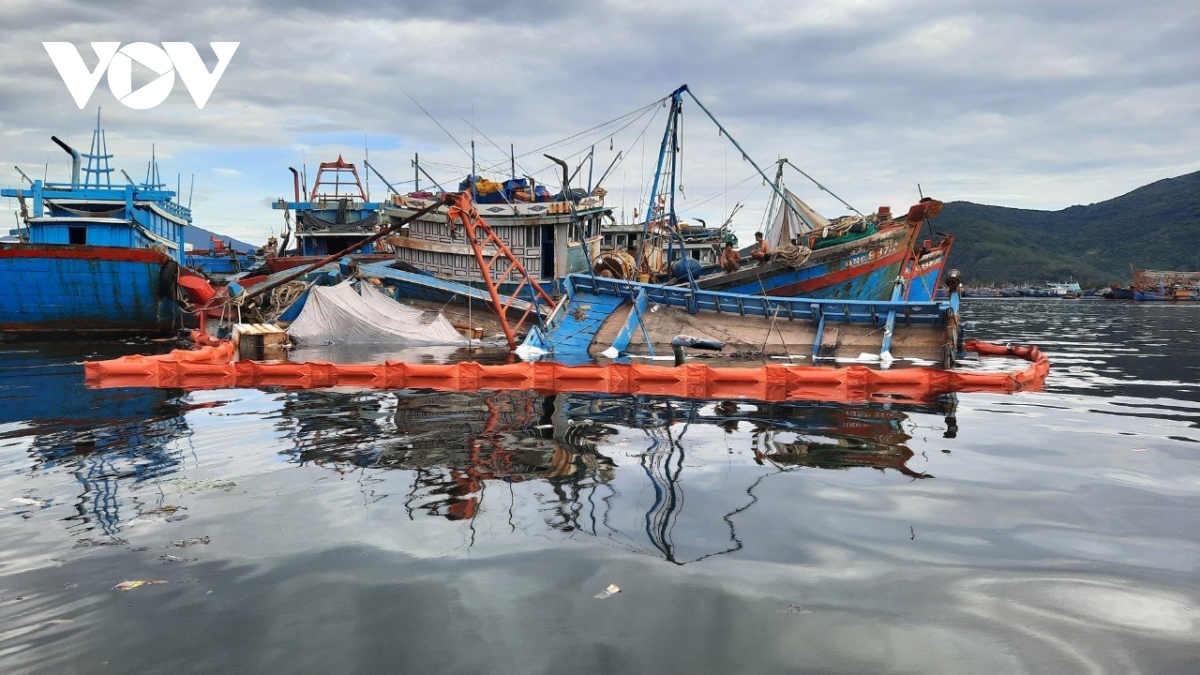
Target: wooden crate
(260,341)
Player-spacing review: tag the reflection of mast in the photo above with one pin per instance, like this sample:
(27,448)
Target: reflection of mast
(665,471)
(104,458)
(668,493)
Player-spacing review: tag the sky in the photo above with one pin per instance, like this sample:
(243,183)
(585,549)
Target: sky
(1018,103)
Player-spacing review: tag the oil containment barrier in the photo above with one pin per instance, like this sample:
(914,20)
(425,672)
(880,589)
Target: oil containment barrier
(211,366)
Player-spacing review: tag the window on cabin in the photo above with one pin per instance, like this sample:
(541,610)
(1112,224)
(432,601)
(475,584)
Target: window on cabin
(76,234)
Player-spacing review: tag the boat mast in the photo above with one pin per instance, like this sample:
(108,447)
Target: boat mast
(97,159)
(676,103)
(775,188)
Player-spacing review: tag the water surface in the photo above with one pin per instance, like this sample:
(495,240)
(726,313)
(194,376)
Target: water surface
(414,531)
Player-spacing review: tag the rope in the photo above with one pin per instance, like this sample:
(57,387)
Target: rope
(279,299)
(792,255)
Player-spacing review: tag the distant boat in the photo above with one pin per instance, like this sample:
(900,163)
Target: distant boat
(1064,289)
(93,256)
(220,259)
(1164,286)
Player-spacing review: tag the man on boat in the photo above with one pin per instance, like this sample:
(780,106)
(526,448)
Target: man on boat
(762,250)
(730,259)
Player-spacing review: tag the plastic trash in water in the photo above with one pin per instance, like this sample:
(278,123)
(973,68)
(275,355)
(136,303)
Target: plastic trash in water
(184,543)
(612,589)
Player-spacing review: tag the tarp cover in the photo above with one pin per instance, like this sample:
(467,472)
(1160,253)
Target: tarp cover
(786,226)
(342,315)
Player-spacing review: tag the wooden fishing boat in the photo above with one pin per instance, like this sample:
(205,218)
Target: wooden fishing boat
(858,257)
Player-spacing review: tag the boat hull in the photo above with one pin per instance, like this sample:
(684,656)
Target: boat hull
(1168,295)
(48,288)
(288,262)
(925,274)
(866,269)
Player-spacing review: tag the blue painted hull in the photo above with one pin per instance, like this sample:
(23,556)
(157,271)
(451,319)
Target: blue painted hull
(47,288)
(923,287)
(219,264)
(872,284)
(866,269)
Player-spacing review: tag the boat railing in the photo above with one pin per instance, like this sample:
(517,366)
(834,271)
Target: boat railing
(851,311)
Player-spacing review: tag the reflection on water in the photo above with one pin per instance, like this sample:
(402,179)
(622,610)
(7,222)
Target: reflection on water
(452,445)
(449,447)
(321,530)
(103,440)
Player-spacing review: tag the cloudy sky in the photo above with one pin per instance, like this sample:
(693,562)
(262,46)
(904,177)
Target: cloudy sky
(1021,103)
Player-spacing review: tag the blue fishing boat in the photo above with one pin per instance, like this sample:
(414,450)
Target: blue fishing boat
(615,318)
(220,259)
(93,256)
(802,254)
(334,216)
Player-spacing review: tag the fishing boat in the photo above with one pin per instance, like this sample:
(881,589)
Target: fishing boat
(1163,286)
(1064,289)
(866,259)
(334,216)
(698,247)
(93,256)
(220,260)
(855,257)
(553,235)
(608,318)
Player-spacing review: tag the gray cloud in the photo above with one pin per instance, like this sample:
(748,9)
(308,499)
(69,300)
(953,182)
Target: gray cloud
(1025,104)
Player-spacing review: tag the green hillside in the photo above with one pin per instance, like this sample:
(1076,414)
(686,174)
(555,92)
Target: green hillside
(1153,227)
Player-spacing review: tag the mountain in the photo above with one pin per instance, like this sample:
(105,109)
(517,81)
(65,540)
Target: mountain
(1153,227)
(197,237)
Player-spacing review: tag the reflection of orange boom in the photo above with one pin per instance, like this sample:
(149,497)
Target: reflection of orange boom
(212,367)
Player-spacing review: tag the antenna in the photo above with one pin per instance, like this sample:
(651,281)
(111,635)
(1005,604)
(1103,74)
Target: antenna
(304,171)
(190,191)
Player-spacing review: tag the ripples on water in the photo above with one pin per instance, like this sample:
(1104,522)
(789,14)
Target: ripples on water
(397,531)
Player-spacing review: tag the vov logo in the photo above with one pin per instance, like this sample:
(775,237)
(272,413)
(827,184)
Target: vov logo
(171,58)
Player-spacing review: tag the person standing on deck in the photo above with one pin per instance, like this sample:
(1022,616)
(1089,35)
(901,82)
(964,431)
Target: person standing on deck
(762,250)
(730,259)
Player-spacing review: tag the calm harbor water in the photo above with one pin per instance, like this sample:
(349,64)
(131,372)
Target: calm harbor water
(408,531)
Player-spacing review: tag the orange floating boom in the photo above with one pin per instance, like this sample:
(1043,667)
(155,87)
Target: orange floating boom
(212,367)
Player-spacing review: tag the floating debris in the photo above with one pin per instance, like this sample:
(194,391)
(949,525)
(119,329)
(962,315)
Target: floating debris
(612,589)
(29,502)
(90,543)
(130,585)
(199,485)
(167,558)
(795,609)
(184,543)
